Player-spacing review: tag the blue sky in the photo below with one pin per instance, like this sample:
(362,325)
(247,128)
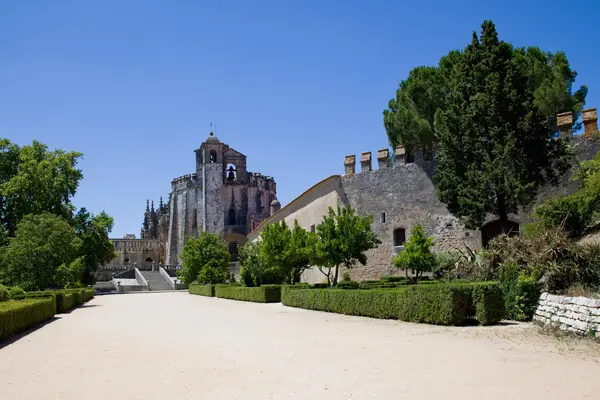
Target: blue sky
(295,86)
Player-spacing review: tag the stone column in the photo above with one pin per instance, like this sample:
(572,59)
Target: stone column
(365,162)
(400,154)
(590,122)
(350,164)
(382,158)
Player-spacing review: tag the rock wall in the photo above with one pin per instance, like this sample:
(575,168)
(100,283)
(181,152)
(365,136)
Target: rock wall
(580,315)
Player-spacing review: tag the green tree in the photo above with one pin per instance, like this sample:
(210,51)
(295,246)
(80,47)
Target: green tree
(301,249)
(207,250)
(43,243)
(495,145)
(96,249)
(409,118)
(342,240)
(252,267)
(416,256)
(35,180)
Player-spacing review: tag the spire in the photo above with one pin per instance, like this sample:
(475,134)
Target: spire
(147,205)
(152,209)
(160,204)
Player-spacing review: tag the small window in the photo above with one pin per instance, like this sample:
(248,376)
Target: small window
(399,237)
(194,218)
(126,260)
(312,228)
(382,219)
(213,156)
(410,157)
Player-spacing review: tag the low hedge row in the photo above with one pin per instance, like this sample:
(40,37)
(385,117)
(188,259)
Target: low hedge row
(202,290)
(261,294)
(66,299)
(18,315)
(443,304)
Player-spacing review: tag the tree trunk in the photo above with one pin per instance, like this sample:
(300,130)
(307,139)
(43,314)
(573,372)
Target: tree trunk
(335,276)
(503,214)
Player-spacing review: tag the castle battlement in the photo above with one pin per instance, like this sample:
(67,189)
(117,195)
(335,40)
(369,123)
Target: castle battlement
(186,177)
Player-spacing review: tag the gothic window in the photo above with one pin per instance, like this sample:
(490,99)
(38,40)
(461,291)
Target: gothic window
(231,216)
(194,218)
(213,156)
(399,237)
(259,206)
(231,173)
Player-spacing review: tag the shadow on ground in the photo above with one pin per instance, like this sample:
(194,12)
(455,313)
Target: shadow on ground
(24,333)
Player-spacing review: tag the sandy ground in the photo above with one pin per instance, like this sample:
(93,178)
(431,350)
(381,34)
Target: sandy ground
(179,346)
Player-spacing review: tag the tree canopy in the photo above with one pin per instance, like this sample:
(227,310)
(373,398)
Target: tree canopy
(343,237)
(205,258)
(416,256)
(96,249)
(409,118)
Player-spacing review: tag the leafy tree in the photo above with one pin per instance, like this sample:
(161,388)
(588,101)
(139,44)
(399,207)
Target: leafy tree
(43,243)
(495,146)
(35,180)
(252,267)
(416,256)
(575,213)
(409,118)
(342,240)
(207,250)
(214,271)
(96,249)
(300,252)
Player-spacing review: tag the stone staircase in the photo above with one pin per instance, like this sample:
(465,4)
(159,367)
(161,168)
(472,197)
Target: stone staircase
(156,281)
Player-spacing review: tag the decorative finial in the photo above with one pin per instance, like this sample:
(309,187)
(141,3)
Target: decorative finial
(147,205)
(152,206)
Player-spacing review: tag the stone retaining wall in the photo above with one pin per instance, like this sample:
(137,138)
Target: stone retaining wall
(579,315)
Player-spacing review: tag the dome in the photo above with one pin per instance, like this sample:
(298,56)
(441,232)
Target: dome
(212,138)
(275,203)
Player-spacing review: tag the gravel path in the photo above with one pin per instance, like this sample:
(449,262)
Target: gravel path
(179,346)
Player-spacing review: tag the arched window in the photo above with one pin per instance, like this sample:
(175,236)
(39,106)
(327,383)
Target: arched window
(148,259)
(126,261)
(213,156)
(494,228)
(231,173)
(399,237)
(231,216)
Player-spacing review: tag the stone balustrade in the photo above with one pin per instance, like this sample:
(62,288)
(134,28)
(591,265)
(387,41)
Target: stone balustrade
(580,315)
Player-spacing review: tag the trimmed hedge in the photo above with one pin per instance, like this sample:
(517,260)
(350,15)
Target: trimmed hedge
(16,293)
(66,299)
(347,285)
(261,294)
(443,304)
(202,290)
(16,316)
(521,298)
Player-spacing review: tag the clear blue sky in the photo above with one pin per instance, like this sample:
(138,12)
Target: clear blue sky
(295,86)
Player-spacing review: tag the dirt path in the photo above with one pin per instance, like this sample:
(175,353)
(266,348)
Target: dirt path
(179,346)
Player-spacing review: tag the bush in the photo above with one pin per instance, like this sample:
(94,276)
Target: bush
(202,290)
(261,294)
(521,297)
(4,293)
(488,300)
(375,285)
(393,279)
(16,316)
(88,294)
(16,293)
(416,256)
(444,304)
(347,285)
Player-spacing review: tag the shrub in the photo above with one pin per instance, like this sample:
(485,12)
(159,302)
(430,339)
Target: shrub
(444,304)
(521,297)
(488,300)
(347,285)
(393,279)
(88,294)
(16,316)
(375,285)
(4,293)
(202,290)
(261,294)
(16,293)
(213,272)
(198,252)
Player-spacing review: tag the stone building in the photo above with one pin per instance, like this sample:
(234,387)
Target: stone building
(221,197)
(400,194)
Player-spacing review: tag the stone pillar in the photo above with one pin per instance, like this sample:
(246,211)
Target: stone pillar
(400,154)
(382,158)
(590,122)
(350,164)
(564,121)
(365,162)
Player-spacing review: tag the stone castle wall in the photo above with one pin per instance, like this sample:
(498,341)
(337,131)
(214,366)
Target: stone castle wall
(579,315)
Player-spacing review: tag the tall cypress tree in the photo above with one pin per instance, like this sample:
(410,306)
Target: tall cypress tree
(496,148)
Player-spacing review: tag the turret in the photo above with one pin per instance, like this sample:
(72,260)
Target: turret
(275,206)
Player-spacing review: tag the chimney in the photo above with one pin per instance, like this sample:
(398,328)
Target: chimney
(400,154)
(365,162)
(275,206)
(382,158)
(590,122)
(564,121)
(350,164)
